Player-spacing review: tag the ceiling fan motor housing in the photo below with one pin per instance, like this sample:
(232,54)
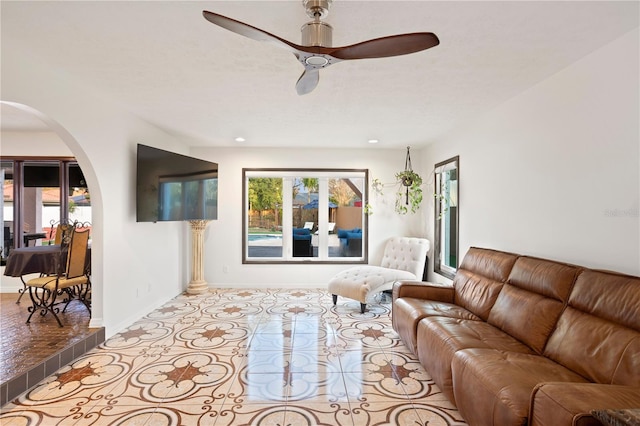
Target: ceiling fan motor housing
(316,33)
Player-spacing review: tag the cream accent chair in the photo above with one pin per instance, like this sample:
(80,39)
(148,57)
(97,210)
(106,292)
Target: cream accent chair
(404,258)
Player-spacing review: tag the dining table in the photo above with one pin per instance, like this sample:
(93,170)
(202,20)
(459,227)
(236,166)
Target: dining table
(44,260)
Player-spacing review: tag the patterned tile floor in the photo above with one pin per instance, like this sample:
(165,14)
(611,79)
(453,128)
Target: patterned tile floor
(243,357)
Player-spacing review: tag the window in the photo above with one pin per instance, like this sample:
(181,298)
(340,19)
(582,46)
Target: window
(36,193)
(307,215)
(447,185)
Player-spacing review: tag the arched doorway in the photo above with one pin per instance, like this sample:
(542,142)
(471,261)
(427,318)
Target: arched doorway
(42,342)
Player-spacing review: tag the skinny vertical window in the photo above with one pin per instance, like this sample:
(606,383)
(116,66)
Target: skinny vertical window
(447,186)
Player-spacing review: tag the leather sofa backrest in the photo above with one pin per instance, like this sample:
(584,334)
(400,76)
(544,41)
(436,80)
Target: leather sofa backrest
(480,278)
(532,299)
(598,334)
(406,254)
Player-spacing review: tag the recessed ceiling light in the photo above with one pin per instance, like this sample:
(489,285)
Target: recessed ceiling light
(240,139)
(373,141)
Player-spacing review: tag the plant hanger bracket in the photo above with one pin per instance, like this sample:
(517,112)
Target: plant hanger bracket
(407,161)
(407,182)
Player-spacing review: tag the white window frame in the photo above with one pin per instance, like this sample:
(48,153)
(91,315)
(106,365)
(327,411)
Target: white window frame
(288,175)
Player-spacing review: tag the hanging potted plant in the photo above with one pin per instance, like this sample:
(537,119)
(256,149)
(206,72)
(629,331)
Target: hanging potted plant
(409,193)
(409,196)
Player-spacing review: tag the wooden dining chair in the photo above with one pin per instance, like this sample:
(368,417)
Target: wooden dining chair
(59,235)
(63,233)
(60,232)
(71,281)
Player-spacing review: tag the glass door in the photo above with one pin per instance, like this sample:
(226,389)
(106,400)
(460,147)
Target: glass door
(41,201)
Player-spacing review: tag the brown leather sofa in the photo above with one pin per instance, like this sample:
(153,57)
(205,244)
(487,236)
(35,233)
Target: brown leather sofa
(519,340)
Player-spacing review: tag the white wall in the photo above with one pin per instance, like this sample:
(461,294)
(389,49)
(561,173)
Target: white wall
(135,266)
(223,238)
(33,144)
(554,172)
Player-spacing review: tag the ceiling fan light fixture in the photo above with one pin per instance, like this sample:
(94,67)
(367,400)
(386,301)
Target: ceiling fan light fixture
(317,51)
(316,61)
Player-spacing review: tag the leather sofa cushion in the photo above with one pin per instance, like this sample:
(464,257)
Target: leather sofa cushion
(492,387)
(597,349)
(476,293)
(479,279)
(608,295)
(530,303)
(446,336)
(597,335)
(408,311)
(546,277)
(493,264)
(529,317)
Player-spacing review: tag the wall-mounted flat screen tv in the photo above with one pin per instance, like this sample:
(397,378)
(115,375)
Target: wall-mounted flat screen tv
(172,187)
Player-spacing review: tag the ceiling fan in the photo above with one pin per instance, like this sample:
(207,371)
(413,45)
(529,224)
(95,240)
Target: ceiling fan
(316,52)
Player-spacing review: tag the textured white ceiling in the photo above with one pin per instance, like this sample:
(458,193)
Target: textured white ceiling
(170,66)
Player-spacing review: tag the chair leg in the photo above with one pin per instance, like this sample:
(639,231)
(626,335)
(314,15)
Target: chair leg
(35,301)
(84,295)
(43,300)
(335,299)
(362,307)
(68,299)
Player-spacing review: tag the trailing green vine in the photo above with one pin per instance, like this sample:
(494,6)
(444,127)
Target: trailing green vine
(409,195)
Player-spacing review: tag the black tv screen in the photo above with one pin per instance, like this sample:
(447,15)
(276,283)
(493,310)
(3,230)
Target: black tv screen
(172,187)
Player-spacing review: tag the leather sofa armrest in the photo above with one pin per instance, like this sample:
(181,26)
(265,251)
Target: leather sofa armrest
(556,403)
(424,290)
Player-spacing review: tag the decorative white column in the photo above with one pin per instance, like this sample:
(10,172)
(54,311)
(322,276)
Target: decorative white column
(197,285)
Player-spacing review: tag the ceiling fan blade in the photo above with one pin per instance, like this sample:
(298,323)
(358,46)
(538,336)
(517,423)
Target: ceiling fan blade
(401,44)
(248,30)
(307,81)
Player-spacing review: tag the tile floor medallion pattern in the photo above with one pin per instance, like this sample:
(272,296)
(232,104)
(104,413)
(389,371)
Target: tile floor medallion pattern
(243,357)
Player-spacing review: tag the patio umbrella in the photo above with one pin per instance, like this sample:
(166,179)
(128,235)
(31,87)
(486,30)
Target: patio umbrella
(314,205)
